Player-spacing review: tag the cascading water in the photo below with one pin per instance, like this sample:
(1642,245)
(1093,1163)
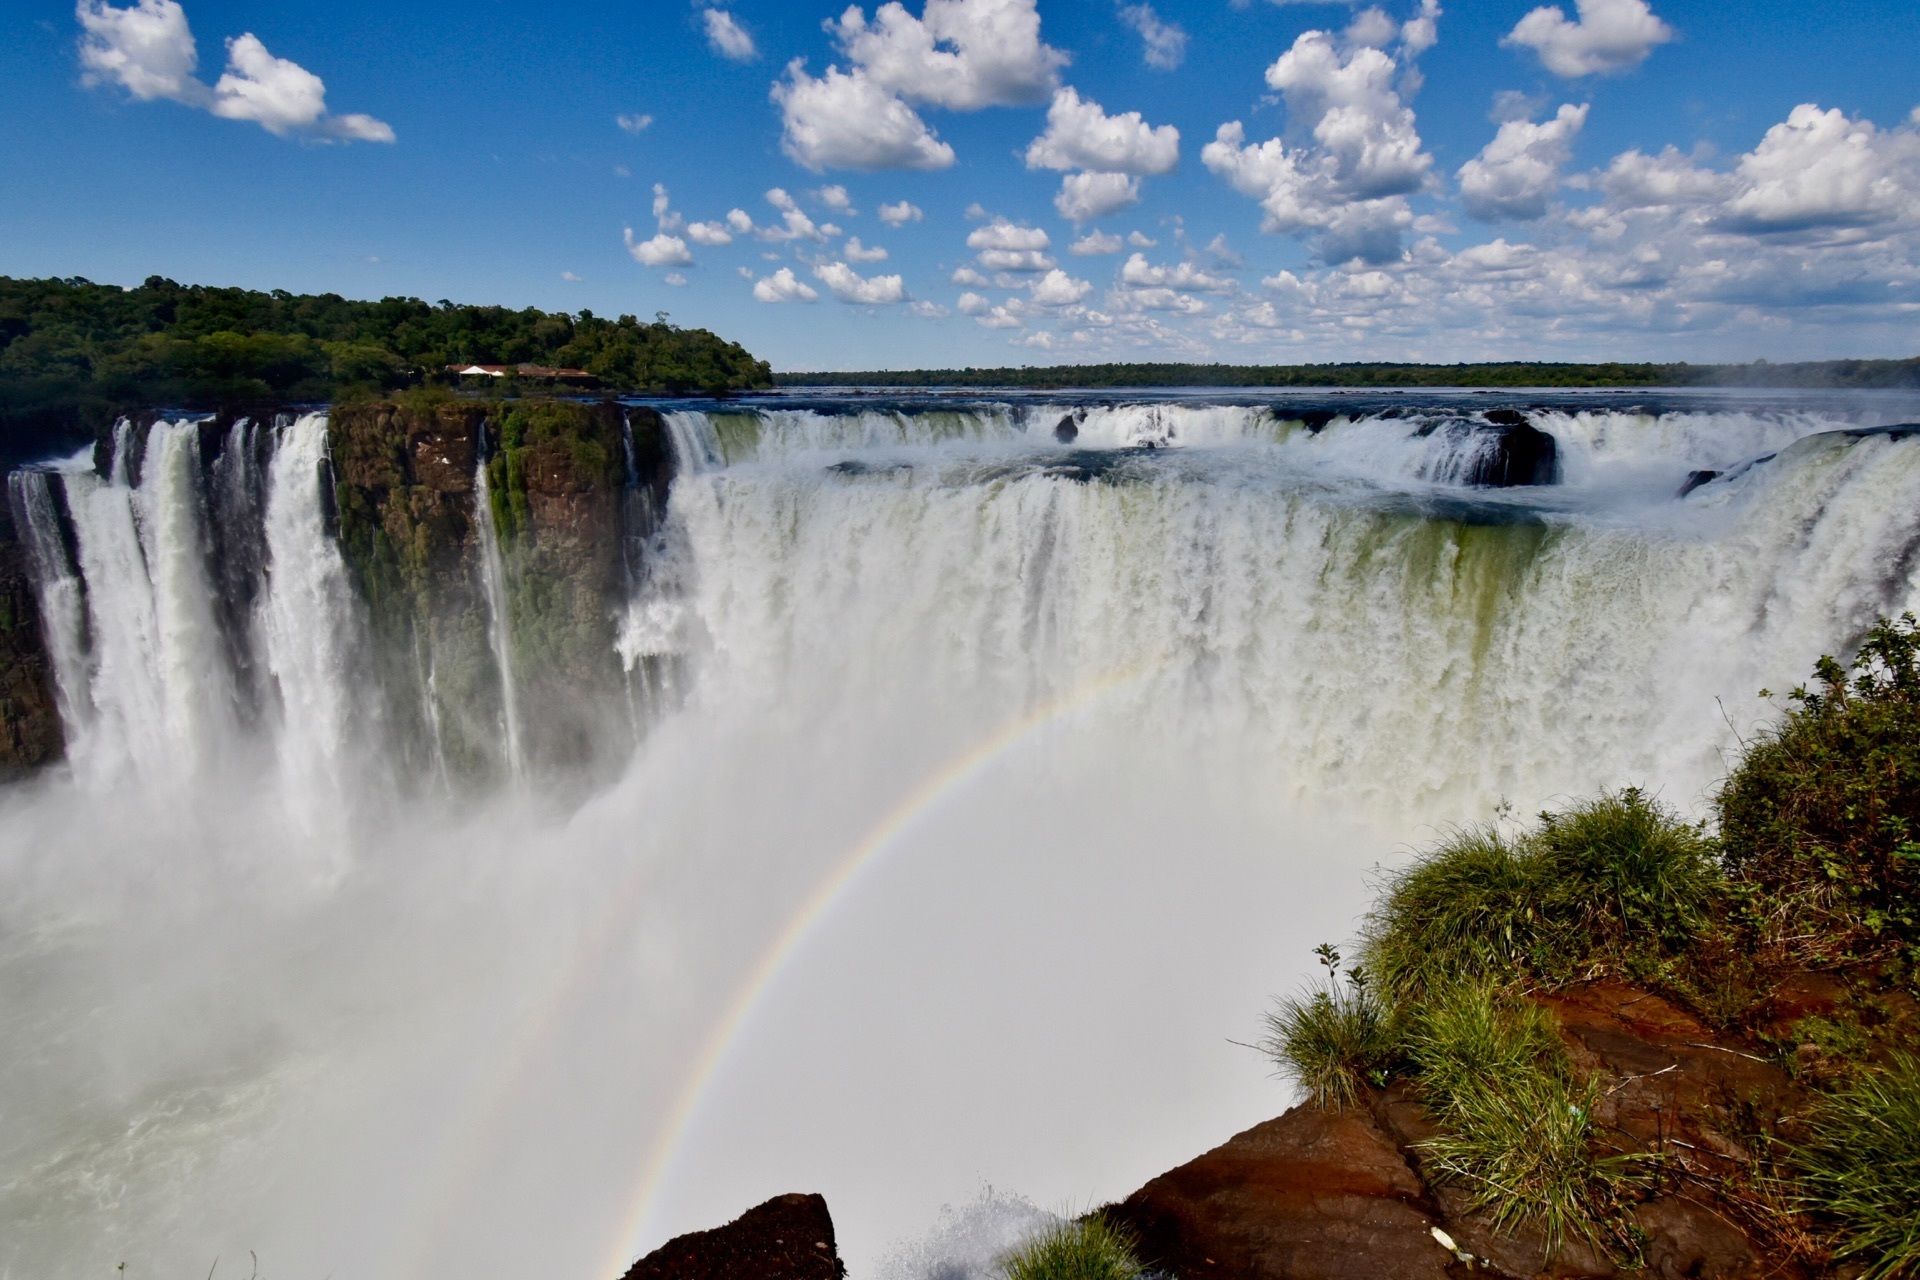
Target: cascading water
(1006,777)
(493,582)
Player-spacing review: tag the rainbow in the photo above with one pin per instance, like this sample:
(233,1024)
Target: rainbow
(925,796)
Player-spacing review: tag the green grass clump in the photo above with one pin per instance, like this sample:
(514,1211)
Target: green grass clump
(1091,1249)
(1603,885)
(1822,815)
(1860,1169)
(1332,1042)
(1516,1123)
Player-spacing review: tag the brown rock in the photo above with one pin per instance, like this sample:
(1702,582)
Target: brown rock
(1688,1241)
(787,1238)
(1311,1195)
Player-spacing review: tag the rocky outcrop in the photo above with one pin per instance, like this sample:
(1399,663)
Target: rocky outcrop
(787,1238)
(408,488)
(1320,1195)
(1519,454)
(30,734)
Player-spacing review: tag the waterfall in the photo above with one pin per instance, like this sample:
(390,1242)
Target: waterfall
(493,582)
(1062,738)
(306,619)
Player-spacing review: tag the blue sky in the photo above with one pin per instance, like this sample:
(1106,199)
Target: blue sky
(1183,179)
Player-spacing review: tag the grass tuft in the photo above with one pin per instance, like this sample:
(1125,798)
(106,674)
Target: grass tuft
(1091,1249)
(1860,1169)
(1333,1042)
(1516,1125)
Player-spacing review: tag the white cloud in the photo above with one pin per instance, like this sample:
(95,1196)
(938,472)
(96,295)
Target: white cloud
(1141,240)
(784,286)
(857,252)
(727,37)
(848,286)
(709,233)
(924,310)
(663,213)
(972,304)
(1058,289)
(149,51)
(1822,169)
(569,277)
(836,198)
(1184,277)
(794,222)
(847,121)
(899,215)
(961,54)
(1638,181)
(739,222)
(1085,197)
(1518,173)
(661,251)
(1095,242)
(1081,135)
(1164,43)
(634,123)
(1607,36)
(1372,28)
(968,276)
(675,279)
(999,318)
(1352,155)
(1002,246)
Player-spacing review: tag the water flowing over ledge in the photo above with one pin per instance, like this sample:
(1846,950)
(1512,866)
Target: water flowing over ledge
(813,697)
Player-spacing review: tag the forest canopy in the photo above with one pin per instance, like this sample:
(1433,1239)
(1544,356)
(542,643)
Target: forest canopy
(72,351)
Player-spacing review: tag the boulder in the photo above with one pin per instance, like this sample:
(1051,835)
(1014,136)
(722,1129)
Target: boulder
(1518,455)
(788,1238)
(1066,431)
(1694,480)
(1313,1195)
(1506,418)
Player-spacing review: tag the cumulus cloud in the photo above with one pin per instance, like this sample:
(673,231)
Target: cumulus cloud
(1081,135)
(784,286)
(857,252)
(1518,173)
(968,276)
(835,197)
(634,123)
(1183,277)
(845,120)
(662,250)
(848,286)
(726,37)
(709,233)
(1823,169)
(1141,240)
(1095,242)
(1001,245)
(739,222)
(663,213)
(1058,289)
(1351,155)
(149,51)
(1164,44)
(1085,197)
(899,215)
(1636,180)
(1608,36)
(960,54)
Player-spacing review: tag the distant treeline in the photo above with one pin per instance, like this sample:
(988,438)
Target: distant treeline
(72,351)
(1824,373)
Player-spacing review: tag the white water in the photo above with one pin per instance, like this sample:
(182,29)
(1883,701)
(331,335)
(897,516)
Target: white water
(1138,740)
(493,581)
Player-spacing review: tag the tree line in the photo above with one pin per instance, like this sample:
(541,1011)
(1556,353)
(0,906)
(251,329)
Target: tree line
(1810,374)
(73,352)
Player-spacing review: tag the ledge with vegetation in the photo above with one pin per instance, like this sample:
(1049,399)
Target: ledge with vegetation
(73,354)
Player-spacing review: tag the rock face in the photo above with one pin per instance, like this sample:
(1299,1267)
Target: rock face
(1319,1195)
(407,489)
(1520,454)
(30,734)
(787,1238)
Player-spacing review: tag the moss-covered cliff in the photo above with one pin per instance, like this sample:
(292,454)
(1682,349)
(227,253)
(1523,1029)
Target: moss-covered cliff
(407,492)
(30,733)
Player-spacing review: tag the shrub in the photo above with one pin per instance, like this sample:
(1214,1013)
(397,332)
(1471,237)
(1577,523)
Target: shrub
(1091,1249)
(1465,908)
(1332,1042)
(1515,1122)
(1860,1169)
(1600,886)
(1823,813)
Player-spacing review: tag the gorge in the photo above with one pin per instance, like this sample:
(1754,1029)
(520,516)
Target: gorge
(540,827)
